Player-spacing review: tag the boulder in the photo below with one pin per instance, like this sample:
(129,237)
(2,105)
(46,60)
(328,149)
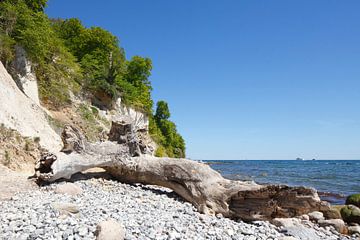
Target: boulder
(333,213)
(353,200)
(354,230)
(338,224)
(316,216)
(68,188)
(350,214)
(110,230)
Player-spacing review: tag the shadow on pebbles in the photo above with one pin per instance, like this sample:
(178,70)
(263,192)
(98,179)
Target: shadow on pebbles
(145,212)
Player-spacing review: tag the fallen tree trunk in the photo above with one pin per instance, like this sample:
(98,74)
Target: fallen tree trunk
(196,182)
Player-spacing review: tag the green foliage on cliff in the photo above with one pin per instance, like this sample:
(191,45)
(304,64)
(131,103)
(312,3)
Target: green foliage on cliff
(24,24)
(36,5)
(70,58)
(171,142)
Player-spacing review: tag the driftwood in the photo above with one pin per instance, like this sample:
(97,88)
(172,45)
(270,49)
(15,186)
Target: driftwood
(196,182)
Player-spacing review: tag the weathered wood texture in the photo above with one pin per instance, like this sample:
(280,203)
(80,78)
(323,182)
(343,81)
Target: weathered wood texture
(196,182)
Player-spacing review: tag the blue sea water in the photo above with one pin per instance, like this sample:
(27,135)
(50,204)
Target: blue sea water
(334,179)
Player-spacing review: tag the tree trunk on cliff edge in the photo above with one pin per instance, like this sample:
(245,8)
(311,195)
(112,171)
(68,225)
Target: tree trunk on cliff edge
(196,182)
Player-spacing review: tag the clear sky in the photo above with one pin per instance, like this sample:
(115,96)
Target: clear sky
(254,79)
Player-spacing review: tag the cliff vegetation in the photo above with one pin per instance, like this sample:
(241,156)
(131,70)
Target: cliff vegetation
(70,59)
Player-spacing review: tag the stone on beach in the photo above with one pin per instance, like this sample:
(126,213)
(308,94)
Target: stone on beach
(110,230)
(338,224)
(316,216)
(68,188)
(146,212)
(350,214)
(333,213)
(353,199)
(354,230)
(65,208)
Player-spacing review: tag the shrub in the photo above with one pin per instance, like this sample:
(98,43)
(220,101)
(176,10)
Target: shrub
(353,200)
(160,152)
(6,49)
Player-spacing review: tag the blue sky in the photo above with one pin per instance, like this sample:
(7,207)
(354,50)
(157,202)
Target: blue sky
(246,79)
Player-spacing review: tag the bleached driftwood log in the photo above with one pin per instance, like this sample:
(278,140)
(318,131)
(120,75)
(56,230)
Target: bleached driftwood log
(196,182)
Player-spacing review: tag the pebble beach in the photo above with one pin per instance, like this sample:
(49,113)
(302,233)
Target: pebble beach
(146,212)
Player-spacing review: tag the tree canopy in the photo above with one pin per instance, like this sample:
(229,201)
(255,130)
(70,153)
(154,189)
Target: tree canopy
(162,111)
(172,143)
(36,5)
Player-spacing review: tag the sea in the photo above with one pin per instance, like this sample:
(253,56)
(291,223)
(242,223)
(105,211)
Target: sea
(333,179)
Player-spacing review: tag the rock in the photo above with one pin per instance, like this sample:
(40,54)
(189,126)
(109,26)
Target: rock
(230,232)
(304,217)
(286,222)
(354,230)
(338,224)
(110,230)
(295,228)
(219,215)
(316,216)
(353,199)
(332,213)
(32,215)
(302,232)
(68,188)
(350,214)
(83,231)
(66,208)
(287,238)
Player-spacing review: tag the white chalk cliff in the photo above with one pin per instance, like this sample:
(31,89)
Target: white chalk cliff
(25,77)
(22,113)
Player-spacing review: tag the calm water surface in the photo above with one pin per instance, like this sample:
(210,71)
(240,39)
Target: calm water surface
(333,179)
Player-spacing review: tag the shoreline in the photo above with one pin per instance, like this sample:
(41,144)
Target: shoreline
(147,212)
(331,179)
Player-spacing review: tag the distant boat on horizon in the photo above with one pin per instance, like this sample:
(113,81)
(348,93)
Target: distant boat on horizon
(301,159)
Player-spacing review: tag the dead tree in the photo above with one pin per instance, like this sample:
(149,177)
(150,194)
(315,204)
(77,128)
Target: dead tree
(196,182)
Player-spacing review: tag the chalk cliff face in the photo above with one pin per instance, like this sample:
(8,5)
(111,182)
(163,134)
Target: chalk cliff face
(20,112)
(20,108)
(138,121)
(25,77)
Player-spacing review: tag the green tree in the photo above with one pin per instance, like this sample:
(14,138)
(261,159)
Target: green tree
(8,17)
(36,5)
(162,111)
(134,84)
(98,52)
(138,71)
(171,142)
